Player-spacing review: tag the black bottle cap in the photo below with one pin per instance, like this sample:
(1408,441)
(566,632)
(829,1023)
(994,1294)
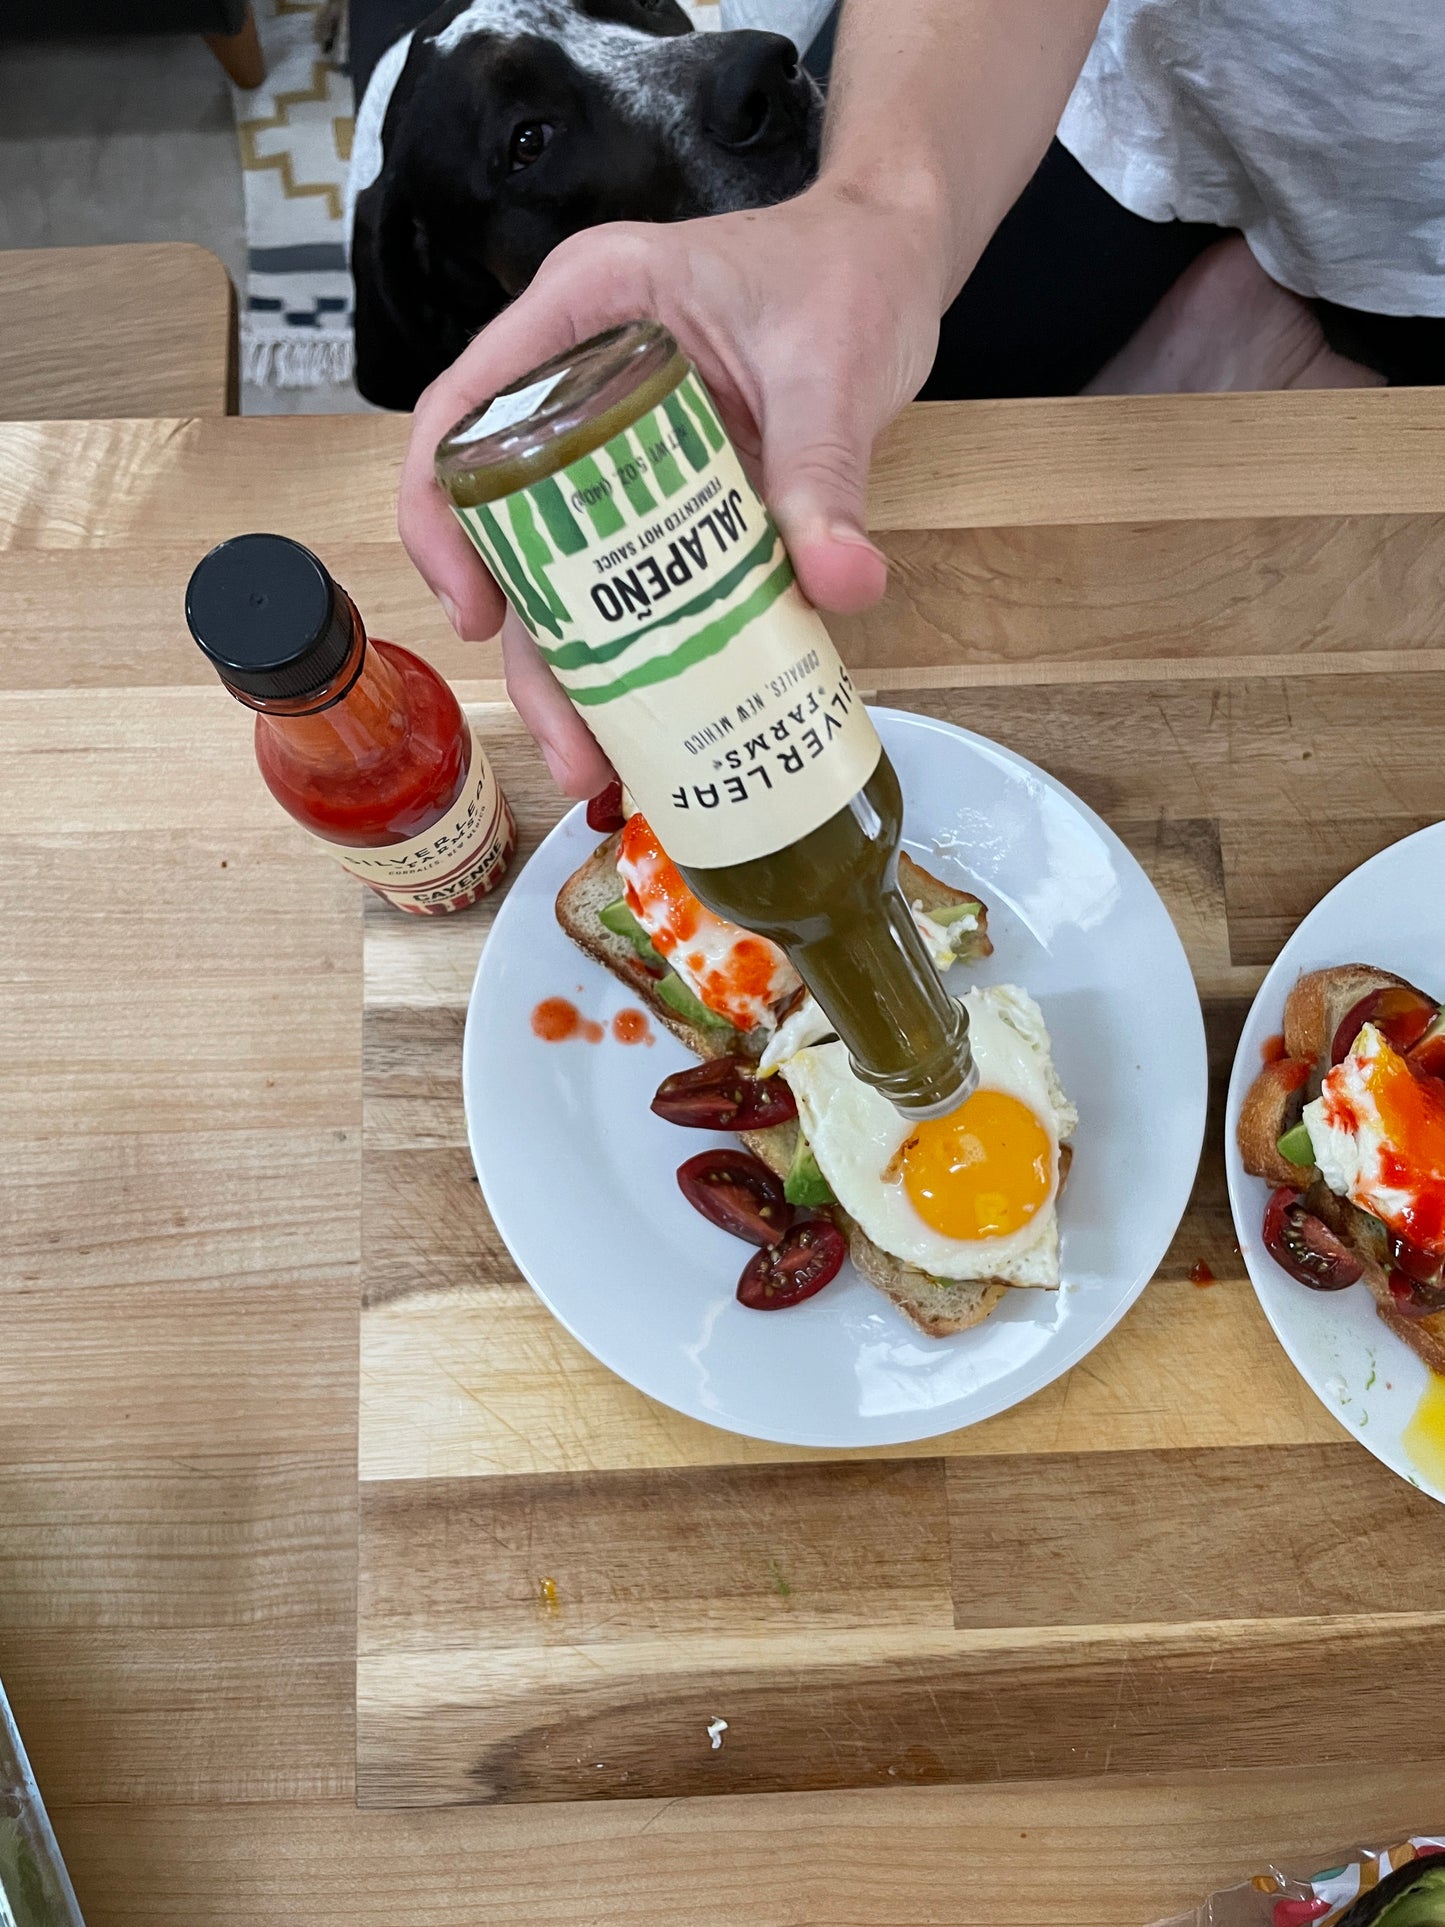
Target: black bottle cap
(269,616)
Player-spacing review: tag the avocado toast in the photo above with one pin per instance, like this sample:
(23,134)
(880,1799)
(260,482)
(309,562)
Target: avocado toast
(592,910)
(1346,1120)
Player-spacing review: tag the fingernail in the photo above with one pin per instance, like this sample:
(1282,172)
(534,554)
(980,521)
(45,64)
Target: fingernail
(452,613)
(846,532)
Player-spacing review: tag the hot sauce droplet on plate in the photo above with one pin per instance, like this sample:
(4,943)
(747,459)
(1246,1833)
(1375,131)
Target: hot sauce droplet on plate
(555,1020)
(1272,1049)
(631,1027)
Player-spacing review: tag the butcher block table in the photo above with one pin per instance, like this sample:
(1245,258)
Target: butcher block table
(1080,1664)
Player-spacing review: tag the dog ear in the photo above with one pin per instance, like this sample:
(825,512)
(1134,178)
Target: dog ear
(409,325)
(393,363)
(416,306)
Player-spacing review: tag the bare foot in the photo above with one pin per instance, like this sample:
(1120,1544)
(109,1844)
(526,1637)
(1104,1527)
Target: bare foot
(1225,325)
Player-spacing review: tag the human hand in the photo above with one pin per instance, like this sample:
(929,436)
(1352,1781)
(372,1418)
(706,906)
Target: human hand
(812,323)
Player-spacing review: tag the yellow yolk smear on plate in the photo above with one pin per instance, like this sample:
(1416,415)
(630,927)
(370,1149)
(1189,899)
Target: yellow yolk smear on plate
(1424,1437)
(738,975)
(981,1172)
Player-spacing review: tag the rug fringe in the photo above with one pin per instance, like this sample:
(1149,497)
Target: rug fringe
(292,362)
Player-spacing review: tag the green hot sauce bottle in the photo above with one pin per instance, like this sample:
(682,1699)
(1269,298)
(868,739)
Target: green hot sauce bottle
(605,497)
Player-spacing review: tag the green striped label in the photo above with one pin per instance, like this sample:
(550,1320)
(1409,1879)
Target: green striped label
(658,591)
(611,556)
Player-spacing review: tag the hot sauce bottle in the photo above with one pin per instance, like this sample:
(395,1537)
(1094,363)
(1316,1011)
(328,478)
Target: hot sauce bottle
(359,739)
(605,497)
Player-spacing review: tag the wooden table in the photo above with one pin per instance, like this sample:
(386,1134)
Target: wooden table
(148,328)
(182,1182)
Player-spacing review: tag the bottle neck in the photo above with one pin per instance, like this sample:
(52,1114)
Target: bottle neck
(358,716)
(905,1035)
(832,901)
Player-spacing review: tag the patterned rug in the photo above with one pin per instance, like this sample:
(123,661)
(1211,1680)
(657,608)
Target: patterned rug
(295,138)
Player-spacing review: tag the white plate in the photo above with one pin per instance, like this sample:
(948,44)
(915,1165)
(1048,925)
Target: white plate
(1385,913)
(579,1175)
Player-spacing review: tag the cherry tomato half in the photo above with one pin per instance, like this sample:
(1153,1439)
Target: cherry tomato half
(809,1257)
(1306,1247)
(1428,1056)
(1423,1267)
(738,1192)
(1400,1014)
(604,810)
(1417,1280)
(725,1094)
(1415,1298)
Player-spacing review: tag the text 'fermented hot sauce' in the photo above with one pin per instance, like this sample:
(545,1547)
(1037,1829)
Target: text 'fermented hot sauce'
(360,740)
(607,500)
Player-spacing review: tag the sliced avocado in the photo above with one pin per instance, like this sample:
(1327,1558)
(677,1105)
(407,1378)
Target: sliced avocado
(948,913)
(1411,1896)
(805,1183)
(617,918)
(1295,1146)
(672,990)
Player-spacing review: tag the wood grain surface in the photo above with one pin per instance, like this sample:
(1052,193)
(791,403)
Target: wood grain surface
(1227,1609)
(562,1584)
(144,329)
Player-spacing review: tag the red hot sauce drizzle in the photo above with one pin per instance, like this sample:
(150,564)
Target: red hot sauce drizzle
(556,1021)
(631,1027)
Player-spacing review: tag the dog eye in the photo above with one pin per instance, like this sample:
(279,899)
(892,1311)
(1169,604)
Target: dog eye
(529,143)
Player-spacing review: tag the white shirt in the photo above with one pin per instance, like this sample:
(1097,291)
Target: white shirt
(800,20)
(1317,127)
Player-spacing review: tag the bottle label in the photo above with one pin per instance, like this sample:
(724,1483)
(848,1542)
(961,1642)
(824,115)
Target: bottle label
(449,866)
(659,592)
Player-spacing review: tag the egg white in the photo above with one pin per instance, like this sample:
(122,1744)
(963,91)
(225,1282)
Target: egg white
(855,1133)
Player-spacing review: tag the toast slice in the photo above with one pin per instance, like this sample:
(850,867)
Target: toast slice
(936,1309)
(1319,1004)
(580,902)
(1313,1012)
(589,890)
(1272,1106)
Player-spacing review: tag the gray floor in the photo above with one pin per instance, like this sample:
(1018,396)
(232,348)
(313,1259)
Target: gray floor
(130,139)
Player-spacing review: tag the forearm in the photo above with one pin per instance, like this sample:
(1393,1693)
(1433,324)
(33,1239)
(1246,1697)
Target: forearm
(943,109)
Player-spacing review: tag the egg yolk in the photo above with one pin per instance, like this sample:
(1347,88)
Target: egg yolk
(982,1171)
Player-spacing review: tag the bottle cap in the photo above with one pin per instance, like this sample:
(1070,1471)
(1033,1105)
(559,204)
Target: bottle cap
(269,616)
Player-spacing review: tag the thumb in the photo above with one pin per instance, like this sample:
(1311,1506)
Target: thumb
(815,480)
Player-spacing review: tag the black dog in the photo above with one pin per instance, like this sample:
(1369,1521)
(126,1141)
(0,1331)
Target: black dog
(499,127)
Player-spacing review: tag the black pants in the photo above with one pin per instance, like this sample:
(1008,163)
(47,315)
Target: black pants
(1070,275)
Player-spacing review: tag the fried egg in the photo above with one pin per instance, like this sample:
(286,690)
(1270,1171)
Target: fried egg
(970,1195)
(1378,1133)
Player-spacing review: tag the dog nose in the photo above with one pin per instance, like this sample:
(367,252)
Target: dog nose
(750,96)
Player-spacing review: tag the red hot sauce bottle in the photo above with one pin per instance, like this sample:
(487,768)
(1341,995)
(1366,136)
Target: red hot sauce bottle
(360,740)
